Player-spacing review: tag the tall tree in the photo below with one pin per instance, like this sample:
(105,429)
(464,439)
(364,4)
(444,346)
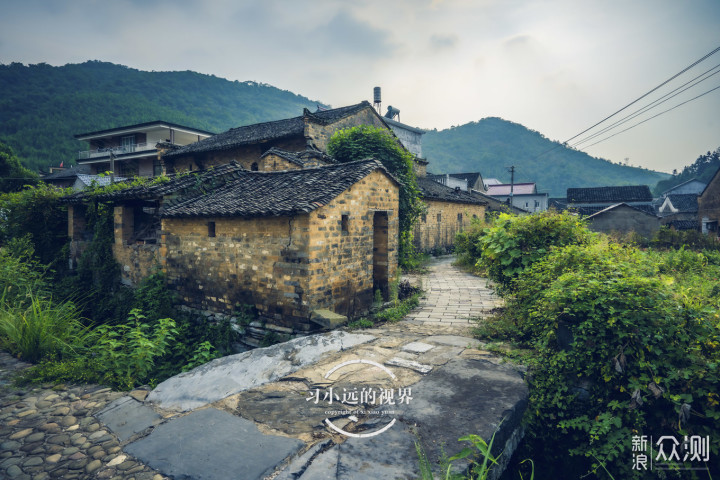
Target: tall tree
(13,176)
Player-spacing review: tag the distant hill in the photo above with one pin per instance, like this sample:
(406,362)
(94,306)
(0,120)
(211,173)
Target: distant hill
(492,144)
(42,107)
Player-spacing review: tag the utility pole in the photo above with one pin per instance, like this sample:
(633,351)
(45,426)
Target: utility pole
(112,167)
(512,182)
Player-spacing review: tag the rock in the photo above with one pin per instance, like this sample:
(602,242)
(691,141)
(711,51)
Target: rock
(139,395)
(25,413)
(127,417)
(401,362)
(117,460)
(68,421)
(328,319)
(33,461)
(226,376)
(11,445)
(227,444)
(21,434)
(92,466)
(13,471)
(35,437)
(53,458)
(417,347)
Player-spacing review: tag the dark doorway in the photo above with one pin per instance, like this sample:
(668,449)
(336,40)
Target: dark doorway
(380,253)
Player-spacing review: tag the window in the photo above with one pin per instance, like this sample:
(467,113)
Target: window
(459,217)
(424,218)
(439,217)
(128,143)
(157,168)
(211,229)
(344,223)
(254,167)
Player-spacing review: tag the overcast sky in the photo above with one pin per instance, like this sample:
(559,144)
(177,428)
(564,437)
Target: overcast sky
(555,66)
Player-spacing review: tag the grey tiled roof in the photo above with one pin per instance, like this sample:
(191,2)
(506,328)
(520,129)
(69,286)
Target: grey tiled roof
(684,224)
(265,131)
(646,209)
(280,193)
(433,190)
(684,203)
(300,158)
(629,193)
(182,183)
(68,173)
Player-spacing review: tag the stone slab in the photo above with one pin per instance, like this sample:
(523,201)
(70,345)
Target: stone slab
(328,319)
(402,362)
(236,373)
(466,396)
(453,340)
(127,417)
(417,347)
(210,444)
(390,455)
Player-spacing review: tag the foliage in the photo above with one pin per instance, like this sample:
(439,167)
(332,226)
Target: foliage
(364,141)
(467,247)
(482,460)
(128,352)
(702,169)
(13,176)
(44,106)
(36,212)
(398,312)
(492,144)
(626,343)
(41,329)
(512,244)
(360,323)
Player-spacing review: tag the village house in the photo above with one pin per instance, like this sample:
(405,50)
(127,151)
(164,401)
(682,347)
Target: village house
(624,218)
(299,245)
(520,195)
(680,211)
(589,200)
(135,150)
(709,207)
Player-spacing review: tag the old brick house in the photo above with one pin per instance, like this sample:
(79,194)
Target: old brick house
(709,207)
(288,242)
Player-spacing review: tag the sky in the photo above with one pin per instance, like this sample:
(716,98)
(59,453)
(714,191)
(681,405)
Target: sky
(555,66)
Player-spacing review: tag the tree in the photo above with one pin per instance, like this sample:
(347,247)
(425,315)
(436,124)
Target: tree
(13,176)
(364,141)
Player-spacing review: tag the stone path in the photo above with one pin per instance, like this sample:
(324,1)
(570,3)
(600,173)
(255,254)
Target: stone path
(269,413)
(453,298)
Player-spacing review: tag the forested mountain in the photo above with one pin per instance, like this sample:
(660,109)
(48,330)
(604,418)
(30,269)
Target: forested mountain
(42,107)
(702,169)
(491,145)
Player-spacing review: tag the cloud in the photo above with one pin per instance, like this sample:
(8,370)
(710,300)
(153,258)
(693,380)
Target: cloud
(346,35)
(442,42)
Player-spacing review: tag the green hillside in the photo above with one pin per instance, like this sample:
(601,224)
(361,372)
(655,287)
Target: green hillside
(42,107)
(703,169)
(492,144)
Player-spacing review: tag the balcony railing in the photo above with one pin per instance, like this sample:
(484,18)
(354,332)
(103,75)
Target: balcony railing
(105,152)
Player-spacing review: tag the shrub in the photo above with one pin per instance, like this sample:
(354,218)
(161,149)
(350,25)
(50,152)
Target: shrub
(512,244)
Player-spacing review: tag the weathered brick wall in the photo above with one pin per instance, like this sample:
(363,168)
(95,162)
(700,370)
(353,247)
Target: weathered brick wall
(136,261)
(245,155)
(257,261)
(77,232)
(321,134)
(709,202)
(341,262)
(437,229)
(625,219)
(273,163)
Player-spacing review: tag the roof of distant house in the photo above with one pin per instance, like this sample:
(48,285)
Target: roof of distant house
(639,208)
(470,177)
(266,131)
(100,180)
(615,195)
(503,189)
(495,204)
(684,203)
(433,190)
(684,224)
(491,181)
(155,123)
(680,185)
(300,158)
(68,173)
(279,193)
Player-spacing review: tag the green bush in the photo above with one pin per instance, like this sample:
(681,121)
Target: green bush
(512,244)
(620,351)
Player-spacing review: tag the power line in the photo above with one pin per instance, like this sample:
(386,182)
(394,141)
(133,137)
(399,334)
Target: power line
(654,116)
(646,94)
(651,105)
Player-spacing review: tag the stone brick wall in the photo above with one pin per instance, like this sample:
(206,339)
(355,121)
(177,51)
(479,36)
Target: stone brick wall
(273,163)
(625,219)
(320,134)
(709,204)
(256,261)
(136,261)
(341,246)
(437,228)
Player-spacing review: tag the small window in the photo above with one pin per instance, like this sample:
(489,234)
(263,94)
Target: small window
(344,223)
(254,167)
(459,217)
(211,229)
(424,218)
(439,217)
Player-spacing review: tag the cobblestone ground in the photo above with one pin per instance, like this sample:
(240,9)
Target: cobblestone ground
(50,432)
(453,299)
